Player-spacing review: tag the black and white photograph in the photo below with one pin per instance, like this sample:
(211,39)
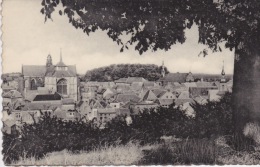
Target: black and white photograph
(130,82)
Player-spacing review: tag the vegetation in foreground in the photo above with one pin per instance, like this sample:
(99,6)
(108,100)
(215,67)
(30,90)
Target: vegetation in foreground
(196,136)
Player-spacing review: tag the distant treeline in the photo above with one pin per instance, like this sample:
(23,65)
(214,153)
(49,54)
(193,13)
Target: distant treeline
(113,72)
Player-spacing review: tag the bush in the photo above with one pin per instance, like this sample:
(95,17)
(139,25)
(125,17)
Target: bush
(195,151)
(163,155)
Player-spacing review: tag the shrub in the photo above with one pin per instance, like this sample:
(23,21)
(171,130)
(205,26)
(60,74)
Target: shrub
(163,155)
(195,151)
(252,130)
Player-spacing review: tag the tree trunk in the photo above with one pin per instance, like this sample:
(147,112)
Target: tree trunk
(246,86)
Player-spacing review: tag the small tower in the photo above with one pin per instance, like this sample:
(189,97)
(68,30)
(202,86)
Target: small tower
(49,61)
(163,70)
(223,79)
(223,84)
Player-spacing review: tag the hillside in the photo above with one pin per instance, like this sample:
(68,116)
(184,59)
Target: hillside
(113,72)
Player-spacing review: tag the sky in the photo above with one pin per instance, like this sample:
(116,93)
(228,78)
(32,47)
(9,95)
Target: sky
(27,40)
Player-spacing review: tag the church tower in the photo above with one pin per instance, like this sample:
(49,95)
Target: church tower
(49,61)
(223,84)
(163,70)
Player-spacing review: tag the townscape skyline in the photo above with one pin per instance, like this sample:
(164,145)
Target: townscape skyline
(26,42)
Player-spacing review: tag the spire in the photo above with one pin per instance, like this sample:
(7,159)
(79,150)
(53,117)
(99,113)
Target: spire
(163,70)
(61,64)
(60,55)
(223,74)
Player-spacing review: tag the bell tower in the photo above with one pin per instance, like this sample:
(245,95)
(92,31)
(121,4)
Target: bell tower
(49,61)
(223,84)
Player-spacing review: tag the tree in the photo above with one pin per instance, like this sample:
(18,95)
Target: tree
(159,24)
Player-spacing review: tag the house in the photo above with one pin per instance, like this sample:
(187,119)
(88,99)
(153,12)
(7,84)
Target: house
(69,115)
(121,81)
(106,115)
(12,96)
(184,97)
(164,102)
(115,104)
(149,96)
(189,111)
(141,106)
(106,93)
(166,95)
(197,91)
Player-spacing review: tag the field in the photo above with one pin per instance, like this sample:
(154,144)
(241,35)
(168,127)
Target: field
(186,152)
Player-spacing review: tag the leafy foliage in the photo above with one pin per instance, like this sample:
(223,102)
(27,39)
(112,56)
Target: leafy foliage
(160,24)
(113,72)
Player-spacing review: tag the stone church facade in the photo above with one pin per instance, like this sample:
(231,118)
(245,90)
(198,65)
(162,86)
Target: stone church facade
(60,78)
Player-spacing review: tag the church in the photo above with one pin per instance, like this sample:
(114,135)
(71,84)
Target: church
(60,78)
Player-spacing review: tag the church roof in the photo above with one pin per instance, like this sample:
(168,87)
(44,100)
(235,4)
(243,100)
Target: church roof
(175,77)
(65,73)
(42,70)
(33,70)
(61,64)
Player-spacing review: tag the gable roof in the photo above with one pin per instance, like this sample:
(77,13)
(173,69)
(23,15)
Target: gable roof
(40,106)
(149,95)
(135,79)
(70,72)
(157,91)
(184,95)
(121,80)
(127,98)
(12,94)
(206,84)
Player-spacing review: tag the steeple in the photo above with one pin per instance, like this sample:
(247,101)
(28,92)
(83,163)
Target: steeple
(163,70)
(49,61)
(61,65)
(60,55)
(223,71)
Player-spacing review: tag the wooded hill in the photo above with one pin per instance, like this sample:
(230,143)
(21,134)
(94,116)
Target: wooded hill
(113,72)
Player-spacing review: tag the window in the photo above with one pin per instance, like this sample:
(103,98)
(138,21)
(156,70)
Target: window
(18,115)
(33,84)
(71,113)
(62,86)
(167,97)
